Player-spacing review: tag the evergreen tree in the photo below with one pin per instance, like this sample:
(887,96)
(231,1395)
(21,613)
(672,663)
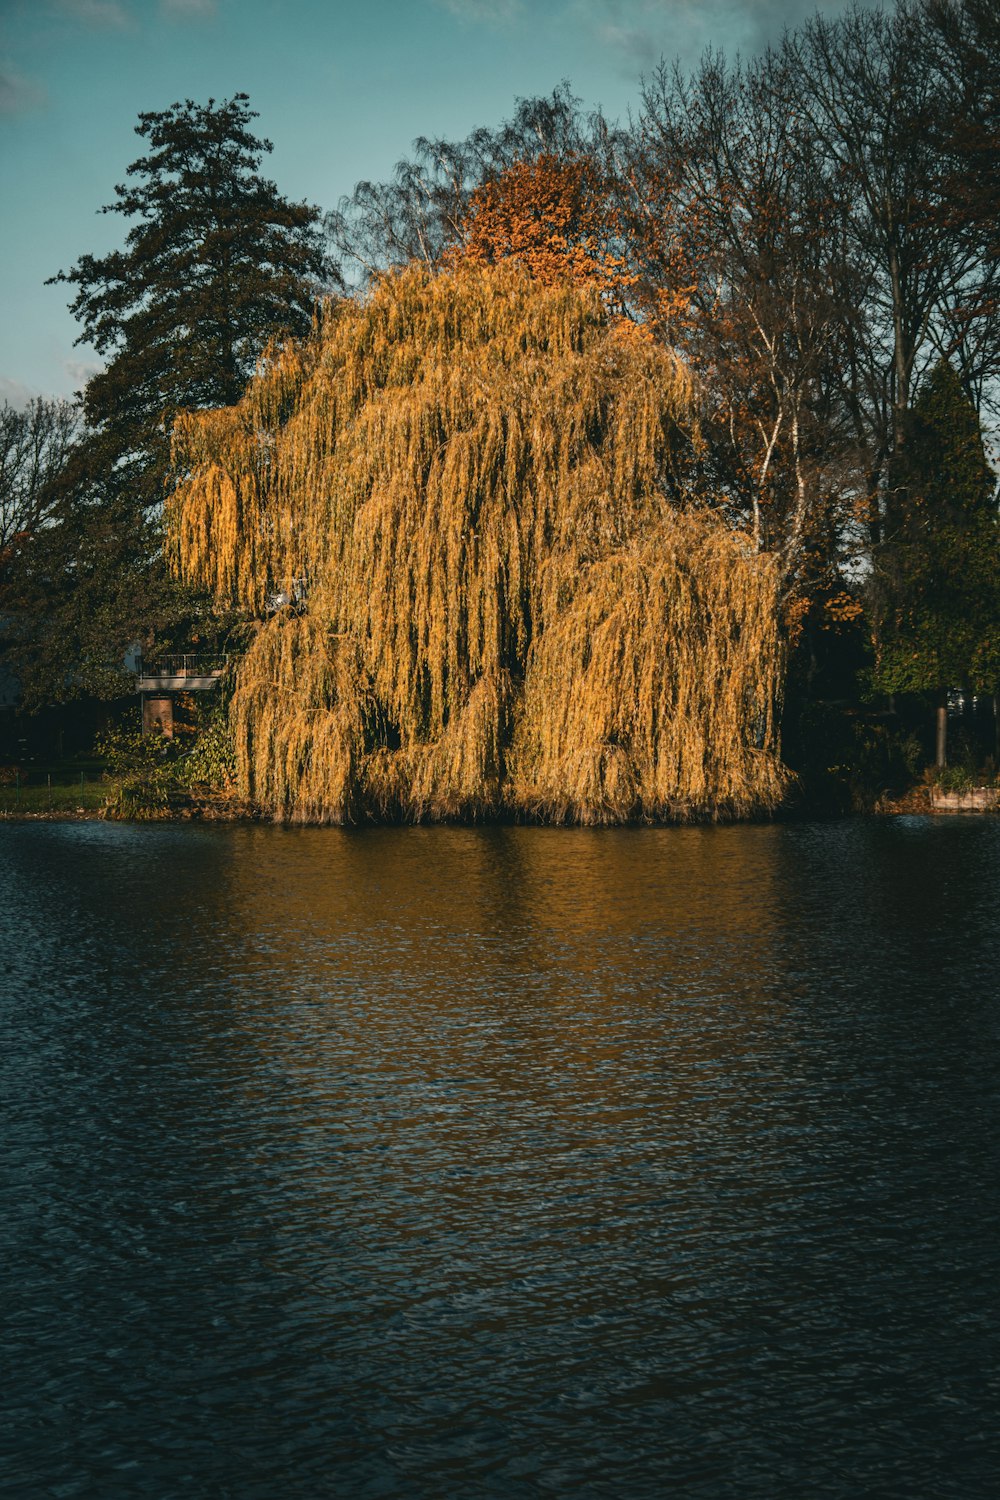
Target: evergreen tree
(940,570)
(215,266)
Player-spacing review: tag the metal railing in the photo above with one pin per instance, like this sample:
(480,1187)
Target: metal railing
(190,664)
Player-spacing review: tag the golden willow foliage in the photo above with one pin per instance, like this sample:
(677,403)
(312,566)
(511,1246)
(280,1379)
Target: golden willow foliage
(458,481)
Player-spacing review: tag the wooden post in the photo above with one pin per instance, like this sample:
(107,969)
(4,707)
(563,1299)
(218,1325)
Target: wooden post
(941,742)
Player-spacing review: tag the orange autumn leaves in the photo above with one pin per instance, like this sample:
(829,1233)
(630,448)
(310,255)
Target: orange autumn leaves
(554,218)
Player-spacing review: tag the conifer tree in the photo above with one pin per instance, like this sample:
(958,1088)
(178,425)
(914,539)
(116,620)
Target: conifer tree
(940,570)
(216,265)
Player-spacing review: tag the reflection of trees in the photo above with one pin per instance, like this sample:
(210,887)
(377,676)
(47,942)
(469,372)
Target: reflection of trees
(512,958)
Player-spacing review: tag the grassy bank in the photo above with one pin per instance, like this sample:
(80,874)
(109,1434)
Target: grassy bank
(39,796)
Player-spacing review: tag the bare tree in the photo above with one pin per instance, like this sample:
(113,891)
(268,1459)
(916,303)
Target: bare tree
(811,232)
(963,39)
(872,88)
(418,213)
(34,443)
(745,262)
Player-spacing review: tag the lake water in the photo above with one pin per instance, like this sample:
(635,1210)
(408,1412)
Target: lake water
(501,1162)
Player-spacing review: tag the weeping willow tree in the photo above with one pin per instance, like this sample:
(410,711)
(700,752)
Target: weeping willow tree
(457,489)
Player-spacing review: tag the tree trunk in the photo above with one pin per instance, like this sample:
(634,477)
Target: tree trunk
(941,743)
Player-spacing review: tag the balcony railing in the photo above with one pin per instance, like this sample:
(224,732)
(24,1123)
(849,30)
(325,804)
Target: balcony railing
(190,671)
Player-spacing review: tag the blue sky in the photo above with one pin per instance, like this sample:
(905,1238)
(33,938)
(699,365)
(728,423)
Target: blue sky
(341,89)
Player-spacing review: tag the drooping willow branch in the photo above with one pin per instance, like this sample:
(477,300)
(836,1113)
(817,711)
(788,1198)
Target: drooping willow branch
(460,481)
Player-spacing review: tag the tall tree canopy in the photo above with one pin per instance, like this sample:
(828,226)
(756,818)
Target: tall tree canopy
(963,39)
(740,237)
(967,34)
(216,265)
(459,486)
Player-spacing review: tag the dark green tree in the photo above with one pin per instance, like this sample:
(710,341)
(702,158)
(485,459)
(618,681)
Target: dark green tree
(215,266)
(939,571)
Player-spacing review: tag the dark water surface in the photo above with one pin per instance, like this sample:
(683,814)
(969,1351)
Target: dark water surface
(503,1162)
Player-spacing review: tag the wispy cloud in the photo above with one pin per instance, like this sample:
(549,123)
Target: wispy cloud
(15,392)
(640,32)
(637,45)
(189,10)
(18,94)
(643,31)
(81,370)
(490,11)
(108,14)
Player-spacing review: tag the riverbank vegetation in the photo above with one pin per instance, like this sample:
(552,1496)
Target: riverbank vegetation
(135,776)
(625,472)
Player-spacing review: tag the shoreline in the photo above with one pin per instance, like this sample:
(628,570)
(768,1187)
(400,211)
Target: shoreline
(913,804)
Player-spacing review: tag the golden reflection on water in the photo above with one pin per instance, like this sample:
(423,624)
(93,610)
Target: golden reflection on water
(535,885)
(453,912)
(463,977)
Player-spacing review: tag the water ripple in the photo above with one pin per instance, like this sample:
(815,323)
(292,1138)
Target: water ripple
(500,1162)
